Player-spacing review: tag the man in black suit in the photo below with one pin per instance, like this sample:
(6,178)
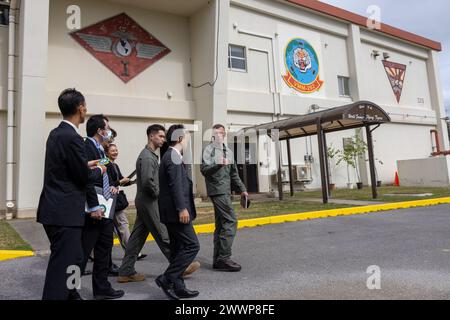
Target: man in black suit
(62,201)
(177,211)
(98,234)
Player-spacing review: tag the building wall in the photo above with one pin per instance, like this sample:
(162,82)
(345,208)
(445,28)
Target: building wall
(265,28)
(209,47)
(260,95)
(242,98)
(145,95)
(394,142)
(131,107)
(415,85)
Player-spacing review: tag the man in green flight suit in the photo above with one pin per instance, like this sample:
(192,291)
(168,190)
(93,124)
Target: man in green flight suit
(221,177)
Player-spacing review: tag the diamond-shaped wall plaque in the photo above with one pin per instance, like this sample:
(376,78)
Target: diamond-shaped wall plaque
(122,45)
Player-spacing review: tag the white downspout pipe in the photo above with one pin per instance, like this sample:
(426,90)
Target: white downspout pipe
(10,201)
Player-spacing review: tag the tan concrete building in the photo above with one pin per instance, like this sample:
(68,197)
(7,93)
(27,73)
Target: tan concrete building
(241,47)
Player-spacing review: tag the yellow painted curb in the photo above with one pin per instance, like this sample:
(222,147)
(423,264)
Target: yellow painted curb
(13,254)
(292,217)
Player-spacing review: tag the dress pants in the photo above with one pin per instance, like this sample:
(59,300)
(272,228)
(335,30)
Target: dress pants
(122,228)
(184,247)
(146,222)
(98,236)
(66,250)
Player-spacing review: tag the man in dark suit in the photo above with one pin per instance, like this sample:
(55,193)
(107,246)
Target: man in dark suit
(62,201)
(177,211)
(98,234)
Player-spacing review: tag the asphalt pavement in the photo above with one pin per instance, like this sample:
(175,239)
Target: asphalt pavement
(317,259)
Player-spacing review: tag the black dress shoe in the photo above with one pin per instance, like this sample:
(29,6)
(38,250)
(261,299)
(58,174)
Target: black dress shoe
(227,265)
(141,256)
(166,287)
(113,294)
(113,270)
(186,294)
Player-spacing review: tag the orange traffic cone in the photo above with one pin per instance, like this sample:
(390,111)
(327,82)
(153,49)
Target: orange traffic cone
(396,181)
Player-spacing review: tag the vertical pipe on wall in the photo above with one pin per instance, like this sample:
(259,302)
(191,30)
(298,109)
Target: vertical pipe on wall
(10,202)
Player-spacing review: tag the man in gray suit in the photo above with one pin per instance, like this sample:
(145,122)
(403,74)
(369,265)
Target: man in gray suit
(148,220)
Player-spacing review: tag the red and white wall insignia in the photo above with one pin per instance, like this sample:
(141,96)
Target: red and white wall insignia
(122,45)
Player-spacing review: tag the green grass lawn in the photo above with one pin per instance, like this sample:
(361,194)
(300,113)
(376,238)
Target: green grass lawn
(10,239)
(366,194)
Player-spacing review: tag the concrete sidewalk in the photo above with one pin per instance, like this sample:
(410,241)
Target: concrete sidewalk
(33,233)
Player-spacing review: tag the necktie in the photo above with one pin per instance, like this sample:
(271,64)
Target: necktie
(106,191)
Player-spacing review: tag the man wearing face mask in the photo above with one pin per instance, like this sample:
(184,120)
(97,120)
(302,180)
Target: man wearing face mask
(98,232)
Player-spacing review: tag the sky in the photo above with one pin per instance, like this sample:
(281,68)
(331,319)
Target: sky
(427,18)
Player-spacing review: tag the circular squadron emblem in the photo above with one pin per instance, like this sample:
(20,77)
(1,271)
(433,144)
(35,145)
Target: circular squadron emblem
(302,66)
(123,47)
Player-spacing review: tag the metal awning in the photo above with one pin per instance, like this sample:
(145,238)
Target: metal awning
(355,115)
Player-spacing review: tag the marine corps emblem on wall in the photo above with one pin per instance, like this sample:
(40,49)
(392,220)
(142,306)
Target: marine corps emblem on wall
(122,45)
(302,66)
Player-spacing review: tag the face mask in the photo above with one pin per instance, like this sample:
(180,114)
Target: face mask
(107,137)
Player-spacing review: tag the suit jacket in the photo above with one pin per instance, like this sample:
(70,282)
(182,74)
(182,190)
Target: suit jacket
(66,177)
(114,174)
(175,189)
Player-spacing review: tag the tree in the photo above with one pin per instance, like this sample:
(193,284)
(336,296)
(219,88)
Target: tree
(332,153)
(354,147)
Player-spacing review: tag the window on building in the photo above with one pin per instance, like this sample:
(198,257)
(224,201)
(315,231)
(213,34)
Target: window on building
(236,58)
(344,87)
(4,13)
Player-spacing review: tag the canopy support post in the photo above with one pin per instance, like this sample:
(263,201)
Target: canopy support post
(323,173)
(371,162)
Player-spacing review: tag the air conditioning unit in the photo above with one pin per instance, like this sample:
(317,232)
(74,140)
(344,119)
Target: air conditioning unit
(302,173)
(284,175)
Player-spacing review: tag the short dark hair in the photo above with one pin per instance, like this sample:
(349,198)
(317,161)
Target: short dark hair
(155,128)
(219,126)
(69,100)
(113,133)
(173,134)
(94,123)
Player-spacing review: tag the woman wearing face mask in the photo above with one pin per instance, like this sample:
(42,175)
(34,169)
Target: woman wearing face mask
(121,224)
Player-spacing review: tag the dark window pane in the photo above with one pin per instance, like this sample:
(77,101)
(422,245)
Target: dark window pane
(4,16)
(238,64)
(236,51)
(341,89)
(344,89)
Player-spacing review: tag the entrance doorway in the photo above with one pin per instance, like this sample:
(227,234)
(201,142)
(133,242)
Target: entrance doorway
(249,172)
